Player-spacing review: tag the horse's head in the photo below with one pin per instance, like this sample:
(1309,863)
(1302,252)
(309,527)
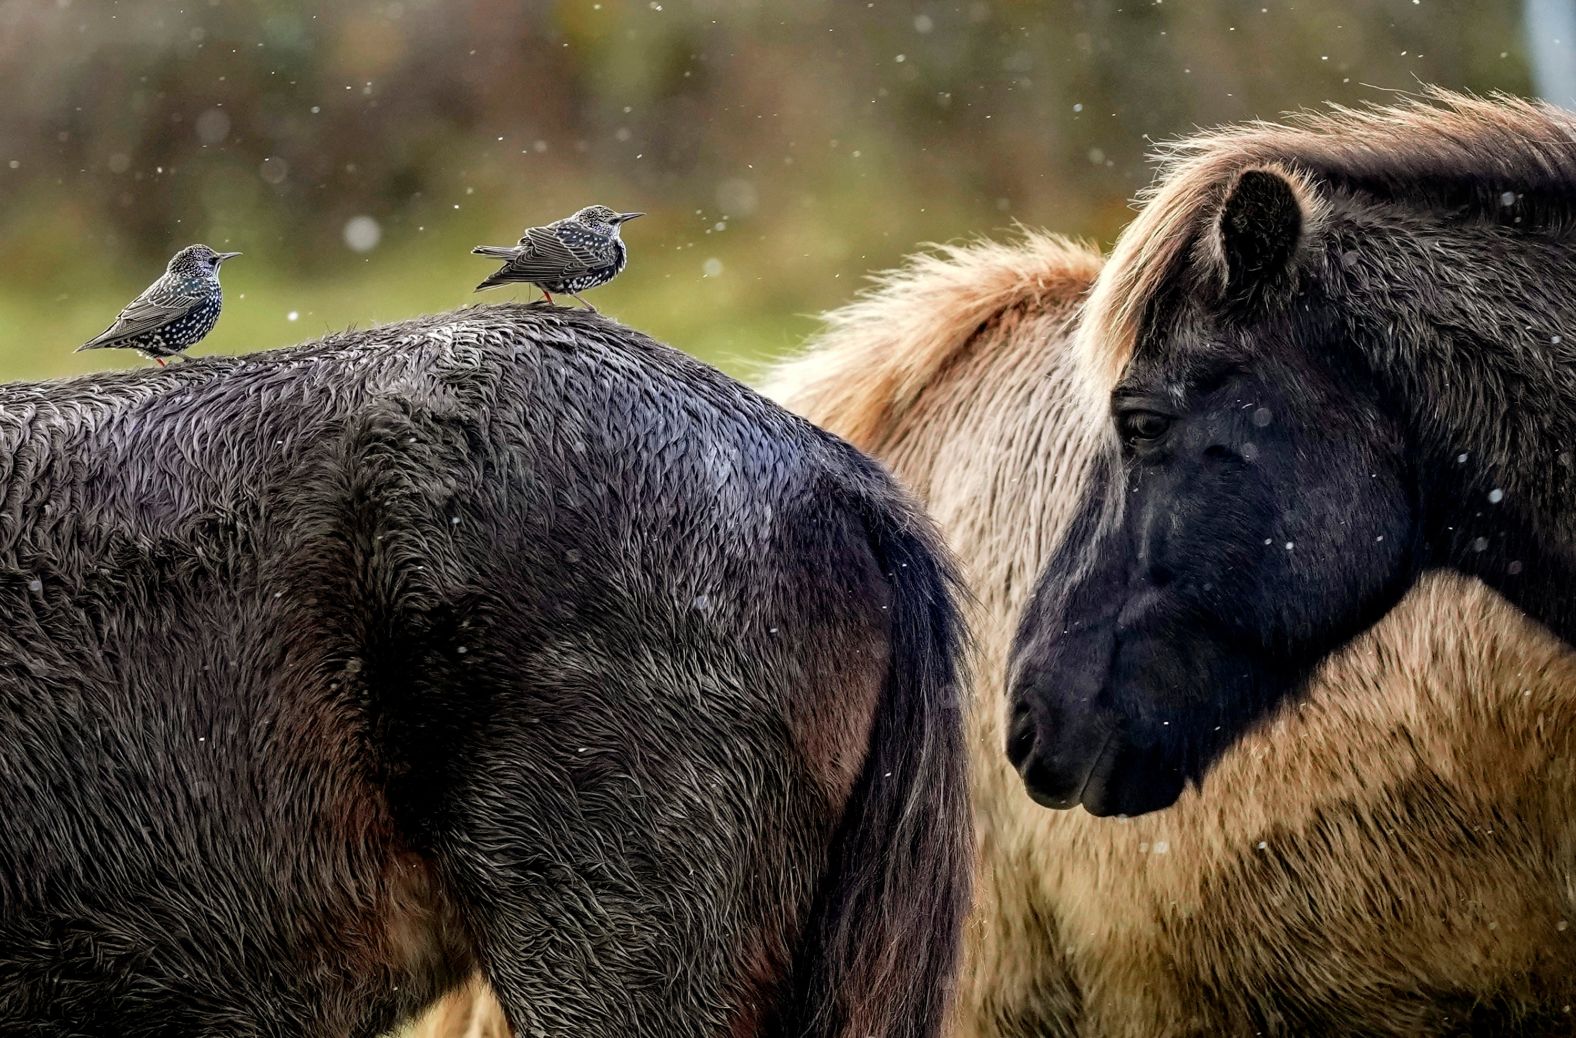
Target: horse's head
(1337,354)
(1253,511)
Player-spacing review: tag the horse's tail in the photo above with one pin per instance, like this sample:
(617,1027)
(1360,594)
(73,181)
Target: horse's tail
(880,947)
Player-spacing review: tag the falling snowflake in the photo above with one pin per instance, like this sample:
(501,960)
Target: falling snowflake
(362,233)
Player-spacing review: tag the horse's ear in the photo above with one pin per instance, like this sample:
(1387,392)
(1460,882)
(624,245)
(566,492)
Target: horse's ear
(1260,225)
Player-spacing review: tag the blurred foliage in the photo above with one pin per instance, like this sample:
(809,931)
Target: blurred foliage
(782,150)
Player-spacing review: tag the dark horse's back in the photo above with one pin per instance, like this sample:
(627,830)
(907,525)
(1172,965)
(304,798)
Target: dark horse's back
(507,638)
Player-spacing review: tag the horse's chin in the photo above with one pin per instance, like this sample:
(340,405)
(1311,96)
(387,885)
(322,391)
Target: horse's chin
(1119,780)
(1133,783)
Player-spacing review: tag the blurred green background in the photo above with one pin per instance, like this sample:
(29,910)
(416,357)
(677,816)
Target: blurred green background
(356,150)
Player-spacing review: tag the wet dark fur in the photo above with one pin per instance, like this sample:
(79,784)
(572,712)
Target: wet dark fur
(507,637)
(1365,367)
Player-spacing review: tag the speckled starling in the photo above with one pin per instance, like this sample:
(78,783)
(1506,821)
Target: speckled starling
(174,312)
(570,255)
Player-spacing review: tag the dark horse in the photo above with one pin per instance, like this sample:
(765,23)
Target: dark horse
(506,639)
(1338,354)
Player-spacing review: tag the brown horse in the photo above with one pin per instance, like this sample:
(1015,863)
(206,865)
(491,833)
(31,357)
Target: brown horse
(1391,856)
(506,640)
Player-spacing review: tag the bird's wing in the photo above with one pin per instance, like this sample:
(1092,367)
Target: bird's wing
(548,252)
(152,310)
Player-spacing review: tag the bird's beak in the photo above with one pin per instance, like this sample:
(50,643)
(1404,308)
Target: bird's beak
(222,256)
(622,217)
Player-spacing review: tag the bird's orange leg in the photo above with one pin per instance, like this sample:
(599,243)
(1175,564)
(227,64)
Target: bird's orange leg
(160,362)
(548,295)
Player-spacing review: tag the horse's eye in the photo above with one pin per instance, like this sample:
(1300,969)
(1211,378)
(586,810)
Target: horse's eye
(1142,427)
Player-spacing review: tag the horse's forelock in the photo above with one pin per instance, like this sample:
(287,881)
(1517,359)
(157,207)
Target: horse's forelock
(1436,136)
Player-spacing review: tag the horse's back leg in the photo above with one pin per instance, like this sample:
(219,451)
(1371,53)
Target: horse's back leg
(631,872)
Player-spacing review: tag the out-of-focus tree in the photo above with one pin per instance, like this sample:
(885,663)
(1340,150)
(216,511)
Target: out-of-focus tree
(782,149)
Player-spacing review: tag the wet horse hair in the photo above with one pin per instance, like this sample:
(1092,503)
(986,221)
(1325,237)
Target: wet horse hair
(506,639)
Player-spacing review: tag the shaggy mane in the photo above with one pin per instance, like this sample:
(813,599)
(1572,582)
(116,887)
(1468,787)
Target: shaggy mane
(1442,148)
(874,357)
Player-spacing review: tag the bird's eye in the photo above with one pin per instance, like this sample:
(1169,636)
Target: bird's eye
(1140,428)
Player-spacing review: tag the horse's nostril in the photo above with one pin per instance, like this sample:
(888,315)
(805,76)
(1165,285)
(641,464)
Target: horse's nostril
(1020,736)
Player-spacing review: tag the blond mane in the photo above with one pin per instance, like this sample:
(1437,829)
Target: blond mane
(1437,136)
(875,356)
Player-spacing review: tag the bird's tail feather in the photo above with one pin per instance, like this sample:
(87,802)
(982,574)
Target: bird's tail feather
(496,251)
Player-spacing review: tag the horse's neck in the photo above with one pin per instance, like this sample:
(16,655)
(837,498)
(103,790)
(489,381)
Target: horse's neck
(997,447)
(1494,408)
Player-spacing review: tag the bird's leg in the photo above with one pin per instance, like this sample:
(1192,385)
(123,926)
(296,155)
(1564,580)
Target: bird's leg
(583,303)
(159,361)
(548,296)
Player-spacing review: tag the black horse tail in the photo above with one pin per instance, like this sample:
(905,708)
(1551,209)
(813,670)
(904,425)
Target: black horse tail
(880,947)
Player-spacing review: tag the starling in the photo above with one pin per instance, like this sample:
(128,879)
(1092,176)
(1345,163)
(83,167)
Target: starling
(571,255)
(174,312)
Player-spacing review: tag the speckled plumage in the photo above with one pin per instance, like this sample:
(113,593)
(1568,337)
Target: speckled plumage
(175,312)
(570,255)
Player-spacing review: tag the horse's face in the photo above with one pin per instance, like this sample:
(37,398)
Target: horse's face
(1253,511)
